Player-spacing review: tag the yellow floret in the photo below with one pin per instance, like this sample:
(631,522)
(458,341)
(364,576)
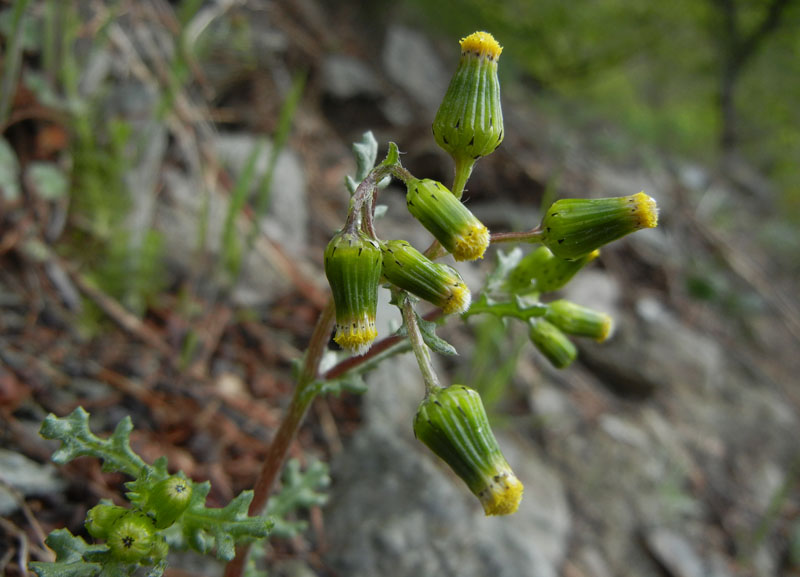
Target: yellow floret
(459,301)
(483,44)
(607,330)
(471,244)
(357,336)
(646,210)
(503,495)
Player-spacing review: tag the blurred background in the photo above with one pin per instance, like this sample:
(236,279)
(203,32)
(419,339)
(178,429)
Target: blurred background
(171,171)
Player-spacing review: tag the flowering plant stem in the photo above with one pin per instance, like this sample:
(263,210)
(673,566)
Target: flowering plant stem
(419,347)
(304,394)
(362,205)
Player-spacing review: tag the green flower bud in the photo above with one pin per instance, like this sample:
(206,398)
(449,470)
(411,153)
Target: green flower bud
(158,552)
(353,268)
(552,343)
(581,321)
(542,272)
(469,123)
(101,518)
(575,227)
(453,424)
(168,500)
(407,268)
(132,537)
(447,219)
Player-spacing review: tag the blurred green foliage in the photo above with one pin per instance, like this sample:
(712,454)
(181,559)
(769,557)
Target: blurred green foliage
(655,69)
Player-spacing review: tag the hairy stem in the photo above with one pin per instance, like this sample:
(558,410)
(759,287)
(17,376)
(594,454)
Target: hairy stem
(533,235)
(419,347)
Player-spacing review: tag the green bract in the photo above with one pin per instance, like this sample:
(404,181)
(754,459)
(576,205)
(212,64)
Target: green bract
(447,219)
(552,343)
(453,424)
(578,320)
(574,227)
(541,271)
(353,268)
(407,268)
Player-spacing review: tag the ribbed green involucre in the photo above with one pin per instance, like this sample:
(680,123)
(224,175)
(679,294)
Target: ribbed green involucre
(447,219)
(353,268)
(453,424)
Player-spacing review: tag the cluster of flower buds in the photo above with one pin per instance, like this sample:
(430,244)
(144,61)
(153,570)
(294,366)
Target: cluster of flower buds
(468,125)
(131,534)
(355,264)
(549,333)
(453,424)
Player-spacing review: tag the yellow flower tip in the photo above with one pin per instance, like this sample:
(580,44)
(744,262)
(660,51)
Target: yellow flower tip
(459,300)
(356,337)
(592,255)
(483,44)
(646,209)
(472,244)
(607,330)
(503,495)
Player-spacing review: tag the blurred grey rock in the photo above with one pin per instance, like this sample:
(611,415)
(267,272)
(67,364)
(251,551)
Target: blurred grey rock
(346,77)
(674,553)
(654,350)
(27,477)
(191,220)
(411,62)
(286,221)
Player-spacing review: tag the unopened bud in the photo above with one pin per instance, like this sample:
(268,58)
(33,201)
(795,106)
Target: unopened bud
(132,537)
(543,272)
(577,320)
(469,123)
(453,424)
(447,219)
(353,268)
(575,227)
(440,284)
(552,343)
(169,499)
(101,518)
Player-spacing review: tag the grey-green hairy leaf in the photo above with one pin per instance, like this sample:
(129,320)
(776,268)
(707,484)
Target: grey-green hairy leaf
(366,152)
(77,440)
(300,489)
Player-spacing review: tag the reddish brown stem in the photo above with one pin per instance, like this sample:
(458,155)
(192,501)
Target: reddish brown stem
(278,449)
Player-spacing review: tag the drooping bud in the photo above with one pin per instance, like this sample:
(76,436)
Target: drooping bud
(469,123)
(447,219)
(101,518)
(453,424)
(353,268)
(168,500)
(552,343)
(132,537)
(543,272)
(577,320)
(573,228)
(407,268)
